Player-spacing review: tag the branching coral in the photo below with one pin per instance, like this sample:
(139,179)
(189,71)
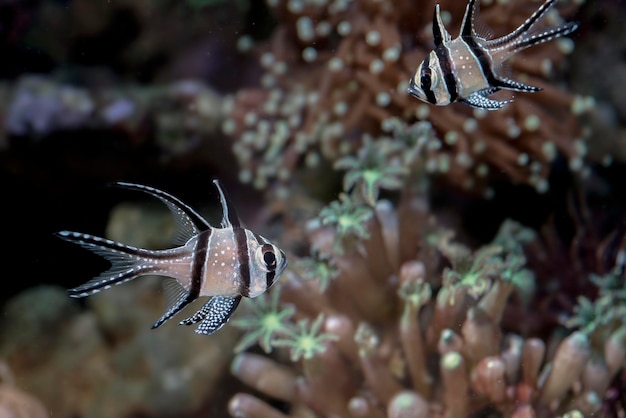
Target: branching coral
(336,71)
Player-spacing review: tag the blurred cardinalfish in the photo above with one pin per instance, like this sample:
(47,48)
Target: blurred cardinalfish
(223,263)
(469,68)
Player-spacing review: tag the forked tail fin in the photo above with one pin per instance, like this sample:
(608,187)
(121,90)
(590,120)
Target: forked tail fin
(127,263)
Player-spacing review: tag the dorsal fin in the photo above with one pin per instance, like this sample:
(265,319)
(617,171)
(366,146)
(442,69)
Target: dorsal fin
(521,32)
(440,34)
(188,222)
(467,27)
(229,215)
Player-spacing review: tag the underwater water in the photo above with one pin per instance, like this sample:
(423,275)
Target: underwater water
(444,261)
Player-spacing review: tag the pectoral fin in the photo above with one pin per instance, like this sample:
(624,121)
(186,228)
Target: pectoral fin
(214,314)
(177,299)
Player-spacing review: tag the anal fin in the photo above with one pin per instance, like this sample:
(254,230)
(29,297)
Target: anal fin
(508,84)
(214,314)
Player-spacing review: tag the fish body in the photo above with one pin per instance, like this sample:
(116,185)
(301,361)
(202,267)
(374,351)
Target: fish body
(468,68)
(223,263)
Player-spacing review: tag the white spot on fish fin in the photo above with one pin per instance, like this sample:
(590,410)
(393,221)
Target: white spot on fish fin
(480,101)
(126,263)
(214,314)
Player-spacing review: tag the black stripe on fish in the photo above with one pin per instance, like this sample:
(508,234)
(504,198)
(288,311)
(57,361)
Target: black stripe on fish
(483,58)
(443,55)
(243,257)
(269,276)
(480,53)
(426,81)
(197,272)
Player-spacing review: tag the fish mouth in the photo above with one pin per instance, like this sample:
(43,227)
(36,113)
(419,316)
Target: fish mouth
(412,90)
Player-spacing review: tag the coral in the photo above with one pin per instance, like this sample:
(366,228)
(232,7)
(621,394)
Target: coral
(181,114)
(268,320)
(410,322)
(305,341)
(335,73)
(14,403)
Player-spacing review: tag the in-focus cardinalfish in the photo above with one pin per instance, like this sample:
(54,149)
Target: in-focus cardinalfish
(469,68)
(223,263)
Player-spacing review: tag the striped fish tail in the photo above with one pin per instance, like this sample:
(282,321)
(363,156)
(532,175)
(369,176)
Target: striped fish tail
(127,263)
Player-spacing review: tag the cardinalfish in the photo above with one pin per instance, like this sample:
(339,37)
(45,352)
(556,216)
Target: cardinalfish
(469,68)
(223,263)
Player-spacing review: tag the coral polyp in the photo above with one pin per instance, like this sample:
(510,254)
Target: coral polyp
(335,73)
(415,323)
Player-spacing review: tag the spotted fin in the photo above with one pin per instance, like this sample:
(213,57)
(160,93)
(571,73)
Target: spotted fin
(188,222)
(479,100)
(127,263)
(546,36)
(214,314)
(508,84)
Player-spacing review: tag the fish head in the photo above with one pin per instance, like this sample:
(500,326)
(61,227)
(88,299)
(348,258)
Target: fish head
(427,83)
(268,264)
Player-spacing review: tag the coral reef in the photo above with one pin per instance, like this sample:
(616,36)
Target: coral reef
(179,115)
(390,316)
(392,306)
(336,71)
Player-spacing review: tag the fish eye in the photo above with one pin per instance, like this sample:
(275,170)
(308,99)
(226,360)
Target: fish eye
(425,80)
(268,256)
(433,78)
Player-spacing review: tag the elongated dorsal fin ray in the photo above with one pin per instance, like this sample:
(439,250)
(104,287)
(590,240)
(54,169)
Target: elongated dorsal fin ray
(214,314)
(188,222)
(522,31)
(440,34)
(467,26)
(229,215)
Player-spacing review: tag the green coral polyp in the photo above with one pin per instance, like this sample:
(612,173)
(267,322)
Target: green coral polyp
(348,217)
(268,320)
(304,341)
(319,267)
